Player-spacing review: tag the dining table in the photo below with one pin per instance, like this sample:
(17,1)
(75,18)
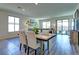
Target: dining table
(44,37)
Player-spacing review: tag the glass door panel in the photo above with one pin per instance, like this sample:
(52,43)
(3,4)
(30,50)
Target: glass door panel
(65,26)
(62,26)
(59,26)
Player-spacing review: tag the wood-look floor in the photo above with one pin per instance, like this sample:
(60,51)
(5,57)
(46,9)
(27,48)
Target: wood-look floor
(60,45)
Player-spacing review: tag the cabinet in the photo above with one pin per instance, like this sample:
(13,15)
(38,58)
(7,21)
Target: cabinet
(74,35)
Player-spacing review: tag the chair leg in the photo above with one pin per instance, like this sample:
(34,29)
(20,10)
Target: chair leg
(25,50)
(28,51)
(20,45)
(35,51)
(25,46)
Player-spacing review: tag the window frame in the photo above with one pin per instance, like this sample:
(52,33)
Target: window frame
(13,23)
(47,25)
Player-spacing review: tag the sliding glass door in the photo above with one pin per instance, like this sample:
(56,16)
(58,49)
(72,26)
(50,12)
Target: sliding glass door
(65,27)
(59,26)
(62,26)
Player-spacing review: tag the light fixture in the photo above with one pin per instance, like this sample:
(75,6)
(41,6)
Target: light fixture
(36,3)
(21,8)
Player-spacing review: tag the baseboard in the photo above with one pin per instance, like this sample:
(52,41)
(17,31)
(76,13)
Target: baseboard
(8,35)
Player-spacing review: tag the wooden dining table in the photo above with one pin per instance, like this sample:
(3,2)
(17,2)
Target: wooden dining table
(45,37)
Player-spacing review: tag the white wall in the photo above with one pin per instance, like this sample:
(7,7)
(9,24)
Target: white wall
(4,24)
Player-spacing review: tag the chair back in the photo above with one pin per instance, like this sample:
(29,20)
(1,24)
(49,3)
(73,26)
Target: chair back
(22,36)
(31,39)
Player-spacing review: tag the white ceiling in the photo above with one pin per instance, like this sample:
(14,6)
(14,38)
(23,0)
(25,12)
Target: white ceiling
(41,10)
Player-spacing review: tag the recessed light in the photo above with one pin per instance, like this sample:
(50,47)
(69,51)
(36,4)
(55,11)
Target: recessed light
(23,9)
(36,3)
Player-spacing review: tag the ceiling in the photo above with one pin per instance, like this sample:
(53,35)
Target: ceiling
(40,10)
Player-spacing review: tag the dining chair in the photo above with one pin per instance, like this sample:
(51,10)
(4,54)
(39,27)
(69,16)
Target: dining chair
(23,40)
(32,41)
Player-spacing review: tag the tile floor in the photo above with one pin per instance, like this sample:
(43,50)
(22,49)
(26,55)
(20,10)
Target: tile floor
(62,46)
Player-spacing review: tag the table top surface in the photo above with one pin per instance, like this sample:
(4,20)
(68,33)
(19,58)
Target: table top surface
(45,37)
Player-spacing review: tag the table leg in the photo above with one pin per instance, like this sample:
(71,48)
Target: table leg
(42,47)
(48,46)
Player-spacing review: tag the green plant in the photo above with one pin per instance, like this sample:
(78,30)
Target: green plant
(36,30)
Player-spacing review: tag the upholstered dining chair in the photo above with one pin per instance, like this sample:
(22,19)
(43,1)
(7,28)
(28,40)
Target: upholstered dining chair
(23,40)
(32,42)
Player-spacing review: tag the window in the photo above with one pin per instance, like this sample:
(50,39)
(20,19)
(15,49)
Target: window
(72,24)
(46,24)
(13,24)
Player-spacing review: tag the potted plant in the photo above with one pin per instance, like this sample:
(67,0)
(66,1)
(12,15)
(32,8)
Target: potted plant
(36,30)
